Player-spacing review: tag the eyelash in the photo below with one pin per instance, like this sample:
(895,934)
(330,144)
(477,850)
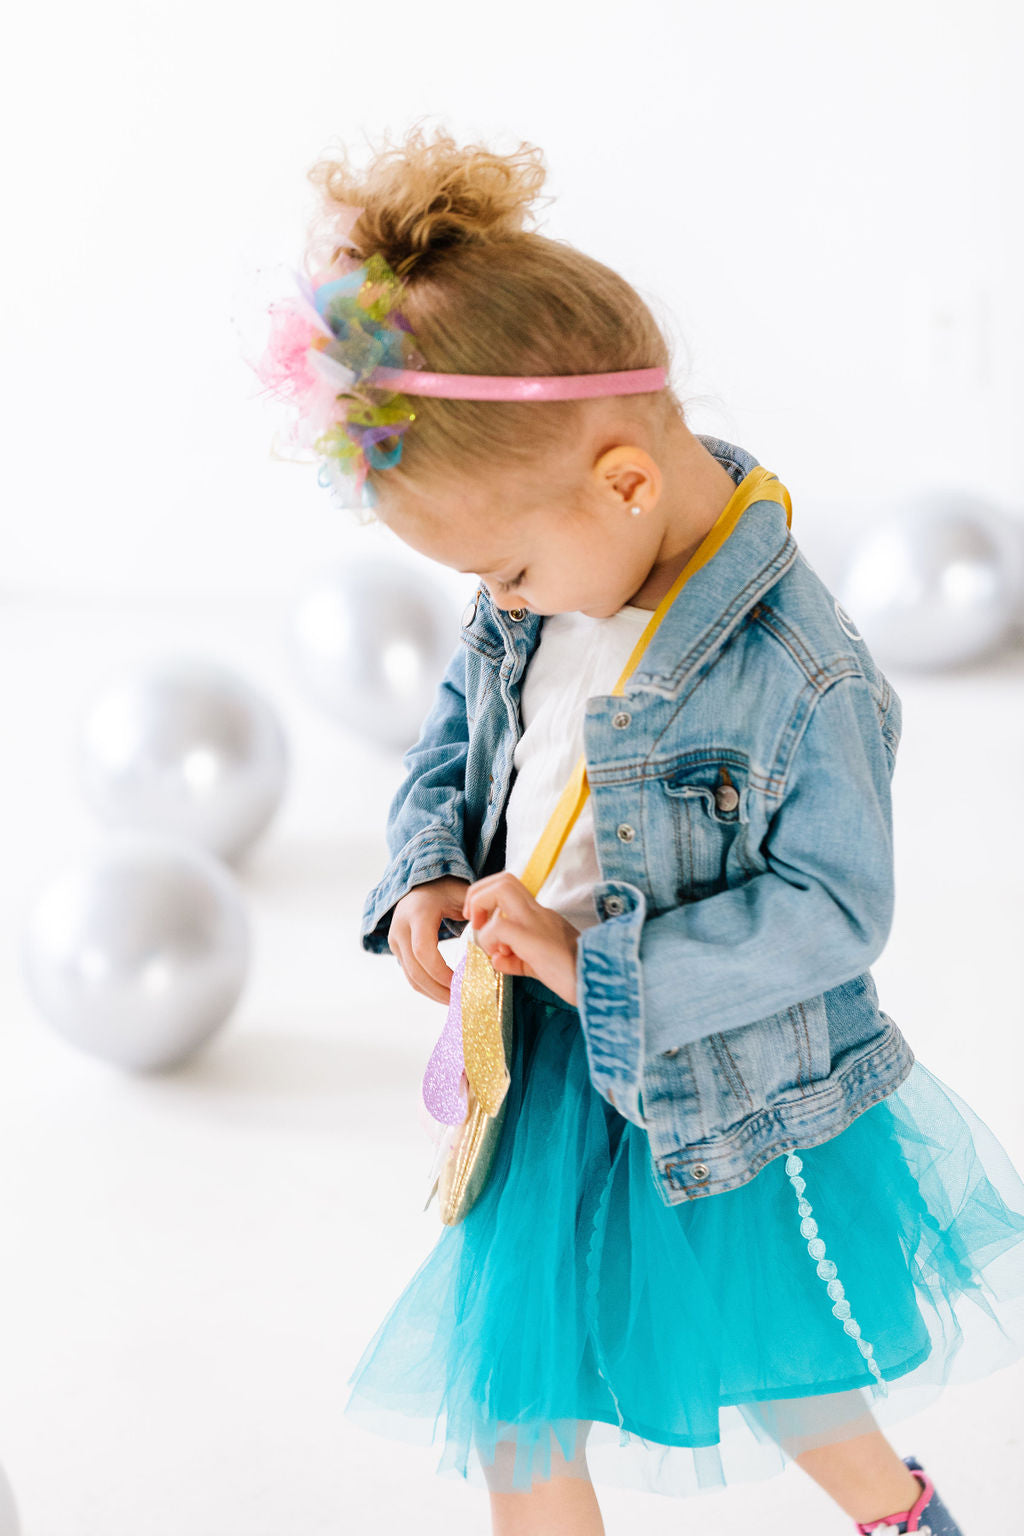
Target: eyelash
(506,586)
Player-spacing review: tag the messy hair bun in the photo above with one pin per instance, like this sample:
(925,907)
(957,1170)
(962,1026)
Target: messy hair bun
(424,198)
(483,294)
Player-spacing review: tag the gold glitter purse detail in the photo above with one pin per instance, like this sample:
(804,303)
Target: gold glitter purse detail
(483,1006)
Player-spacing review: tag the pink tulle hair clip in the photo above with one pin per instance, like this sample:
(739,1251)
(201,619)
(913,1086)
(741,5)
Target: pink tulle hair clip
(325,342)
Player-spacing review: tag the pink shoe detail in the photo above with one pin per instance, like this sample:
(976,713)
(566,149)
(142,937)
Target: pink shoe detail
(912,1516)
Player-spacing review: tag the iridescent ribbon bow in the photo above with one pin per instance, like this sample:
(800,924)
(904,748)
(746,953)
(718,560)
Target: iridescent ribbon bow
(322,346)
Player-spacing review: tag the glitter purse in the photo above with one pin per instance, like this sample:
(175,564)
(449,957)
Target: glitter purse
(467,1079)
(467,1076)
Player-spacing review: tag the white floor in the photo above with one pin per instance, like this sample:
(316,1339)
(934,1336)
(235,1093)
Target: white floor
(193,1262)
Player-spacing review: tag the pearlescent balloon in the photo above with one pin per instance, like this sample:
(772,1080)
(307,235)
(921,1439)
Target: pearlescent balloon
(10,1523)
(370,640)
(188,747)
(138,951)
(934,585)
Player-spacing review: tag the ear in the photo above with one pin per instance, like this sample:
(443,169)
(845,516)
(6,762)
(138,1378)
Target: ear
(629,472)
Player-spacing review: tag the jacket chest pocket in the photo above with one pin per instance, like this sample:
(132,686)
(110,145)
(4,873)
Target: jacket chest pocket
(709,823)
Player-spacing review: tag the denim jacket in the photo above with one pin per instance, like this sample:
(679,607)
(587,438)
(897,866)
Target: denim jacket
(743,822)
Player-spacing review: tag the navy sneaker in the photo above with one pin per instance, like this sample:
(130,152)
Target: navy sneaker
(927,1515)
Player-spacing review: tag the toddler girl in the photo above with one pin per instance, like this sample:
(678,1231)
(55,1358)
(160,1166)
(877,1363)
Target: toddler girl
(731,1220)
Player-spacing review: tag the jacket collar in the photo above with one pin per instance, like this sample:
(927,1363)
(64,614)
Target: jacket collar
(708,609)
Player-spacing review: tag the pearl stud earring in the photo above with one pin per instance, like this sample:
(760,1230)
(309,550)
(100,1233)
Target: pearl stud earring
(634,510)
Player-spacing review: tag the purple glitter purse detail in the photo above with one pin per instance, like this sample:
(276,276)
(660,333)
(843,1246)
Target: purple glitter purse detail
(443,1090)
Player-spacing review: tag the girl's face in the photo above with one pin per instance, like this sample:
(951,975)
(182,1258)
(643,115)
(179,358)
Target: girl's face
(584,559)
(568,543)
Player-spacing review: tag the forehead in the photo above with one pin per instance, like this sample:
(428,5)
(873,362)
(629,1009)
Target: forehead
(470,533)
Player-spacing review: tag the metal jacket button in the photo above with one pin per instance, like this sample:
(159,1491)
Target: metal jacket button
(517,613)
(726,797)
(614,904)
(620,720)
(469,613)
(700,1171)
(673,1050)
(626,832)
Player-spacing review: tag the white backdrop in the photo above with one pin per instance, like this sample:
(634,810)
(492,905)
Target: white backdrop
(822,204)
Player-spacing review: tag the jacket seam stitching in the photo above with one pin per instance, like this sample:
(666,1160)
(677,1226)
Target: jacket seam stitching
(740,604)
(771,620)
(783,767)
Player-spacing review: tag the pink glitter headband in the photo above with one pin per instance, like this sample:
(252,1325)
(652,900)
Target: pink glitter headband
(341,352)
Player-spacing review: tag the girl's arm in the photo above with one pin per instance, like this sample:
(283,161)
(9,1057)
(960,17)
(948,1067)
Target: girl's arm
(424,829)
(817,917)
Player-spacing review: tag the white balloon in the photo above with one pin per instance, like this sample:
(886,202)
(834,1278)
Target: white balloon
(138,952)
(369,641)
(933,585)
(10,1522)
(188,747)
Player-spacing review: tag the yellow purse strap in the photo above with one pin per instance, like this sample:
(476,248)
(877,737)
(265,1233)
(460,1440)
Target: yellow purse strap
(759,485)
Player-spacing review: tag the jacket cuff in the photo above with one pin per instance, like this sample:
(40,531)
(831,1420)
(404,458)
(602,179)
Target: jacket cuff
(609,997)
(424,857)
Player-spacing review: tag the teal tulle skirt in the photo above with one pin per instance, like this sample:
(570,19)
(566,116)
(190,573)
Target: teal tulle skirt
(574,1325)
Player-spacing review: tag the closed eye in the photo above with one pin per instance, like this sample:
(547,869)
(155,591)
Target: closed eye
(506,586)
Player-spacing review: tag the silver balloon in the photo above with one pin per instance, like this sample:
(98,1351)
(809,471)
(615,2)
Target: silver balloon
(934,586)
(138,952)
(188,747)
(369,641)
(10,1522)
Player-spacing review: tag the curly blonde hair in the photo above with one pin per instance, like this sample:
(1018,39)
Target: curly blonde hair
(484,294)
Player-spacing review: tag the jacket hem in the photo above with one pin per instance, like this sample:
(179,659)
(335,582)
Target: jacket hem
(736,1157)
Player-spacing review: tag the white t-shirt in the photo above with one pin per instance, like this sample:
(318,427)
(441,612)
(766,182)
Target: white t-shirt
(576,658)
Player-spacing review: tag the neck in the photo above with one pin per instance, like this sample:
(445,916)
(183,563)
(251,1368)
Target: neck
(695,492)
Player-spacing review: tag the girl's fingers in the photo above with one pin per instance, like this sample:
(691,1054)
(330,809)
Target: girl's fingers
(423,963)
(485,887)
(420,981)
(505,901)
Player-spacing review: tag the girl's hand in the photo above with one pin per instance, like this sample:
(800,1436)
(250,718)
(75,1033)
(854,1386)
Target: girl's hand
(412,937)
(521,937)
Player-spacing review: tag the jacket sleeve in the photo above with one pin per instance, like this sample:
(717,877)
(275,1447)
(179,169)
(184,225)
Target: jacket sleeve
(426,816)
(818,916)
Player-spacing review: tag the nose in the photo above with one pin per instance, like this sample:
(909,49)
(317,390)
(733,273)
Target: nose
(507,601)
